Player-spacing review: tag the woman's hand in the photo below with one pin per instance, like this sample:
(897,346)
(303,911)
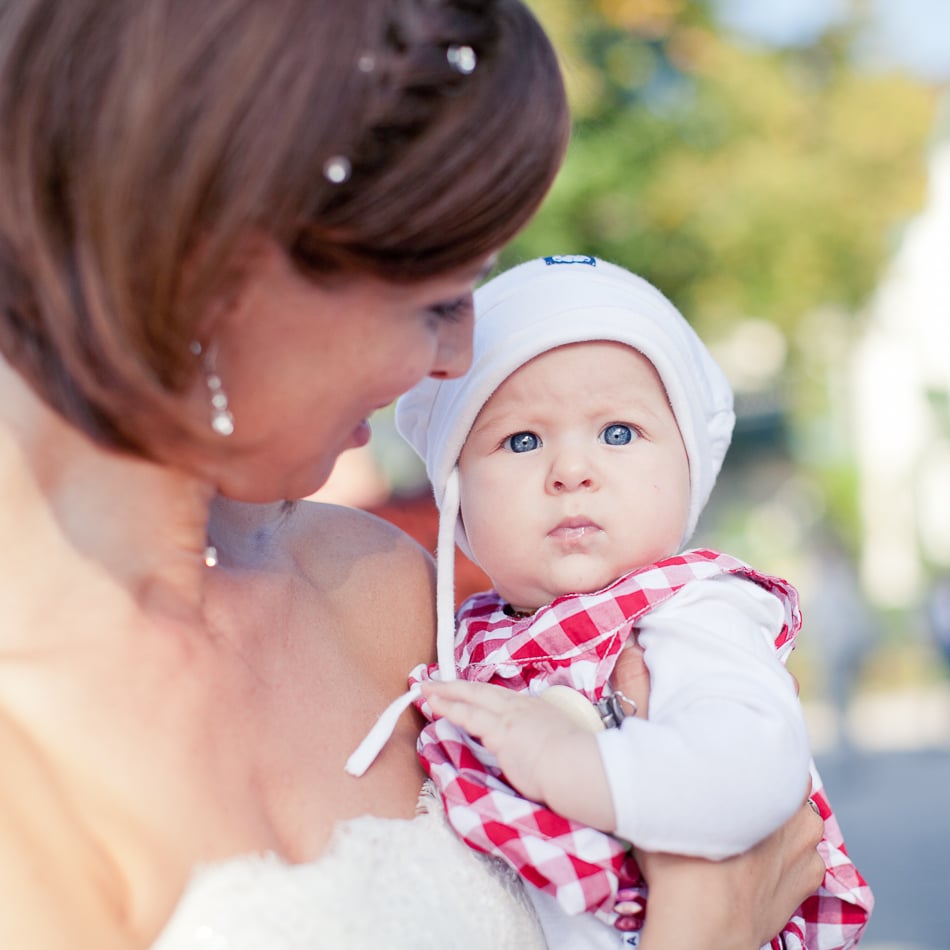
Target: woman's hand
(737,904)
(632,677)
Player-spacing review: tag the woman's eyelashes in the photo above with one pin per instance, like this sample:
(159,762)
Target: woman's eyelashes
(453,310)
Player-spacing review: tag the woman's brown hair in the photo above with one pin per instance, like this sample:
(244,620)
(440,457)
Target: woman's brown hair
(141,142)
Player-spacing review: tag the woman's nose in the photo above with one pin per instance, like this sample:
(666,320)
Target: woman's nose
(454,347)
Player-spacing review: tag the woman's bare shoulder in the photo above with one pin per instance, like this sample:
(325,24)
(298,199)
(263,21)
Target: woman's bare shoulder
(360,560)
(327,534)
(55,883)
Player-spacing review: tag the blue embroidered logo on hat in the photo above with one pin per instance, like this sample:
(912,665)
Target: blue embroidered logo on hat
(571,259)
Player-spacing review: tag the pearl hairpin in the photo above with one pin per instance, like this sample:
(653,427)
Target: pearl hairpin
(462,59)
(337,169)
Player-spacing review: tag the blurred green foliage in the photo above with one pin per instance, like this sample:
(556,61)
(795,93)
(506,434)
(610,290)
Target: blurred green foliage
(746,183)
(742,181)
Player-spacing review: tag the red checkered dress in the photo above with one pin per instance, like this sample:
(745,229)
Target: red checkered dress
(575,641)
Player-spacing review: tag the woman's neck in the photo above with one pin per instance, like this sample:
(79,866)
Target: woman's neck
(245,535)
(81,525)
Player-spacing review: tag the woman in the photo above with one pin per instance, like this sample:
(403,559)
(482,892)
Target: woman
(229,231)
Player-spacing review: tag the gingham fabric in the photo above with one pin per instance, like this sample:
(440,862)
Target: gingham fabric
(837,913)
(575,641)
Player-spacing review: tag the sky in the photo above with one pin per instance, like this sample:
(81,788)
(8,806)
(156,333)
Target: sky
(909,34)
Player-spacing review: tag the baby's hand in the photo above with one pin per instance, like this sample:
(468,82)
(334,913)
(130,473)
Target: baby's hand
(544,754)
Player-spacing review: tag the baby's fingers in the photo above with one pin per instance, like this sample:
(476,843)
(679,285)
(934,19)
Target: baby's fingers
(475,707)
(476,694)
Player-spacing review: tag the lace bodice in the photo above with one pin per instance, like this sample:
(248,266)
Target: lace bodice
(382,884)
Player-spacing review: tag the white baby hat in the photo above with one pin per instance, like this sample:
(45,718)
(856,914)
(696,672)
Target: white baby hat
(526,311)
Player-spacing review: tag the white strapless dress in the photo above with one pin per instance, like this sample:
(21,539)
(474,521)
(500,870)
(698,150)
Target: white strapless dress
(382,884)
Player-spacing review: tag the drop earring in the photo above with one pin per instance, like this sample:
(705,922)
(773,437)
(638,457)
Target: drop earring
(222,420)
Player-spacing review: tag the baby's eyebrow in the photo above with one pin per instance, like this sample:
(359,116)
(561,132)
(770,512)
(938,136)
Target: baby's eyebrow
(490,424)
(502,422)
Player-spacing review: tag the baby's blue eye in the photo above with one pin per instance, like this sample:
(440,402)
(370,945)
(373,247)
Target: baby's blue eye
(523,442)
(618,434)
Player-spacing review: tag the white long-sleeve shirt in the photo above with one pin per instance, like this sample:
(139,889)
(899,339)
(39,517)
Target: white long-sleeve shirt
(722,760)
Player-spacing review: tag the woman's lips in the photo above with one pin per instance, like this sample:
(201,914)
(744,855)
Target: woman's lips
(361,434)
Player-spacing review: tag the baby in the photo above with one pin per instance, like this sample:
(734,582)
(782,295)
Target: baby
(572,464)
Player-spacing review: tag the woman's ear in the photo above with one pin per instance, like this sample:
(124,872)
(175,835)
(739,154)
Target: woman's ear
(216,278)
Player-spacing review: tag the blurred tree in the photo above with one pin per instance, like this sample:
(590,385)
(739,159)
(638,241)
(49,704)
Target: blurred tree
(746,182)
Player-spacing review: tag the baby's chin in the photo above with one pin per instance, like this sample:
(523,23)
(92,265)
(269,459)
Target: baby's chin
(527,602)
